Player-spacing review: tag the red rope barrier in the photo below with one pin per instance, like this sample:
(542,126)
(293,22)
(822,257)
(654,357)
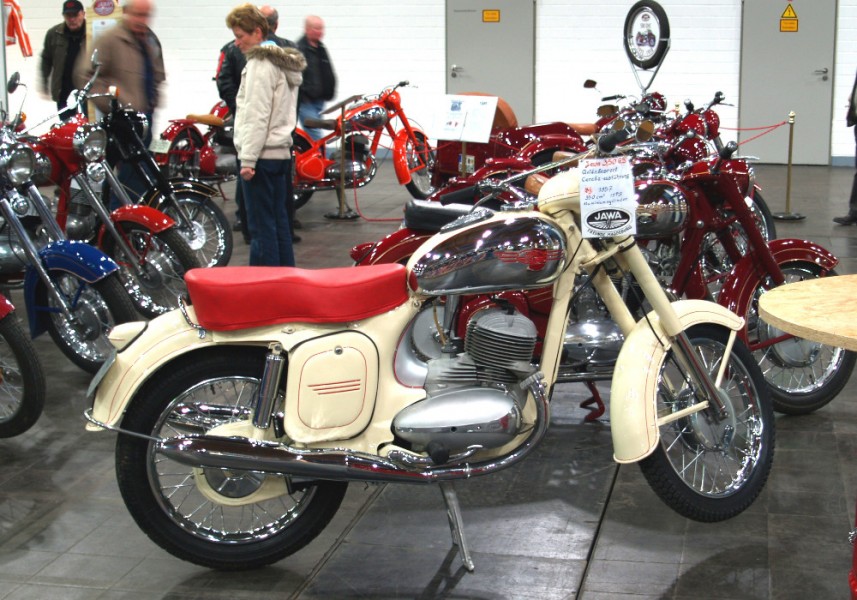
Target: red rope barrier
(766,129)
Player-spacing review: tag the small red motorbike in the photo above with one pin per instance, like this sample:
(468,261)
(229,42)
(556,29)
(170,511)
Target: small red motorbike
(360,125)
(723,256)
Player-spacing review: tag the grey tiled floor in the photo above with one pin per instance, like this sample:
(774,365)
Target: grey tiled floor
(567,523)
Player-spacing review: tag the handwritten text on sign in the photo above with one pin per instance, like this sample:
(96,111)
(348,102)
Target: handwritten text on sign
(608,203)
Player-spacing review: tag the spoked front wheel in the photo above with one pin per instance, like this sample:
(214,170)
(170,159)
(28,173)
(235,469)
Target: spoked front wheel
(710,466)
(154,276)
(94,310)
(220,518)
(421,159)
(803,375)
(22,379)
(210,235)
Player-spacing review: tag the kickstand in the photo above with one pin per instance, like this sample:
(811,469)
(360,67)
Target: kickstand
(597,410)
(456,524)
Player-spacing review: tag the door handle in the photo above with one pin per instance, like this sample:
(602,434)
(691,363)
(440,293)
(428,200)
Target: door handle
(823,72)
(454,70)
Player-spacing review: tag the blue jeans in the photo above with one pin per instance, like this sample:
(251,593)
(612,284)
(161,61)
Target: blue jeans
(311,109)
(267,217)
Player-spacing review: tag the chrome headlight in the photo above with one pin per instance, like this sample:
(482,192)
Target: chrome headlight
(90,142)
(17,162)
(141,124)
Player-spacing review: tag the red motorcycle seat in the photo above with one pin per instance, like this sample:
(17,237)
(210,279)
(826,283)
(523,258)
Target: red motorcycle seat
(229,298)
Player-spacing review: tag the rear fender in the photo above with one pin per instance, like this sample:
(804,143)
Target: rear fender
(633,394)
(400,155)
(739,287)
(396,247)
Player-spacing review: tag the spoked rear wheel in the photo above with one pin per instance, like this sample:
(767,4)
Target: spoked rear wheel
(220,518)
(710,467)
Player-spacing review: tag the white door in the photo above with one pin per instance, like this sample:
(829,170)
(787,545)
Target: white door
(490,48)
(787,65)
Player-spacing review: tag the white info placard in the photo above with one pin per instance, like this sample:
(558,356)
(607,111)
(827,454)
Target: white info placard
(608,204)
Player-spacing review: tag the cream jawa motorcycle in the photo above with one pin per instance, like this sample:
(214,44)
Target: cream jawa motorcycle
(244,414)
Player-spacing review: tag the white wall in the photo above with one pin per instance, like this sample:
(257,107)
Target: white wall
(374,43)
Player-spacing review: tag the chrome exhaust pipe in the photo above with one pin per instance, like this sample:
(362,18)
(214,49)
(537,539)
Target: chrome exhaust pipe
(339,465)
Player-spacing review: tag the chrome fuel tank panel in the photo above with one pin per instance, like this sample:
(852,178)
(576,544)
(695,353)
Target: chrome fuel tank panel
(504,253)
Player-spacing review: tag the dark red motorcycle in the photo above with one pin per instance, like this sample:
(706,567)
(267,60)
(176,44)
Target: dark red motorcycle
(724,256)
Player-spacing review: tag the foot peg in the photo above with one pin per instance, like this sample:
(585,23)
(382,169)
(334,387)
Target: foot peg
(456,525)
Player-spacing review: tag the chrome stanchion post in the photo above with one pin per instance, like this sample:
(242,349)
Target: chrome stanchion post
(344,213)
(788,215)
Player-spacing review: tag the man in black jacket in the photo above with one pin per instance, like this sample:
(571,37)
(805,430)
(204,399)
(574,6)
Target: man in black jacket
(851,121)
(319,78)
(228,80)
(63,43)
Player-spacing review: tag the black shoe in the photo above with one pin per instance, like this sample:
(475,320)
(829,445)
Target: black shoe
(237,225)
(295,238)
(846,220)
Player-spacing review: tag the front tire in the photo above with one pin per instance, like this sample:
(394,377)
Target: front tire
(22,388)
(212,232)
(178,506)
(803,376)
(165,257)
(95,309)
(421,159)
(705,468)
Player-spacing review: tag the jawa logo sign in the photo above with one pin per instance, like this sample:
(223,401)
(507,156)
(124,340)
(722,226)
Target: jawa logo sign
(103,7)
(608,219)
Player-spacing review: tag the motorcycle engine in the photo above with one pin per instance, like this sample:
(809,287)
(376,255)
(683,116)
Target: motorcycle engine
(473,397)
(360,165)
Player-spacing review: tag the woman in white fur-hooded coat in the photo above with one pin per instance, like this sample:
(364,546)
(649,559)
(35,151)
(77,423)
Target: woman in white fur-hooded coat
(266,115)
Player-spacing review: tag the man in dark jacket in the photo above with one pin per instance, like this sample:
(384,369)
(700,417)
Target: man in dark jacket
(63,43)
(851,121)
(228,79)
(319,78)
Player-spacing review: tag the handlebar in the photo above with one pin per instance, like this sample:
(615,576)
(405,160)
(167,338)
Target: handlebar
(608,142)
(613,97)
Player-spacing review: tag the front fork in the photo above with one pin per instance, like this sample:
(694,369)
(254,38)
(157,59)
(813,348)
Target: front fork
(628,252)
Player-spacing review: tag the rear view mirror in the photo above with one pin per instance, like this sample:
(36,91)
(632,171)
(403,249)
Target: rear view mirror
(14,82)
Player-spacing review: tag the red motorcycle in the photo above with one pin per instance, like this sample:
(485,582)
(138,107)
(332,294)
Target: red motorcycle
(724,256)
(186,150)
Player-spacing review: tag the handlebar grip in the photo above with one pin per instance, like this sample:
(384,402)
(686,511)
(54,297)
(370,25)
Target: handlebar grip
(728,150)
(466,195)
(613,97)
(608,142)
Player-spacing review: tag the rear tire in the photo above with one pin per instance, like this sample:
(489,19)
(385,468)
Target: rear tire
(22,388)
(176,505)
(299,145)
(704,468)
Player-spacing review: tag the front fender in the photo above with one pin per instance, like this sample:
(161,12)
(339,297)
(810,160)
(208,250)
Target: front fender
(78,258)
(741,284)
(400,155)
(150,218)
(633,393)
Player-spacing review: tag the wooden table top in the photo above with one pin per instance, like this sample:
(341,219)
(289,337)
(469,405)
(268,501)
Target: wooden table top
(822,310)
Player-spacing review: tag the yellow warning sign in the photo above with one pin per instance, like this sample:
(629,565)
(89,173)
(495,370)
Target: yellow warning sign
(490,16)
(788,20)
